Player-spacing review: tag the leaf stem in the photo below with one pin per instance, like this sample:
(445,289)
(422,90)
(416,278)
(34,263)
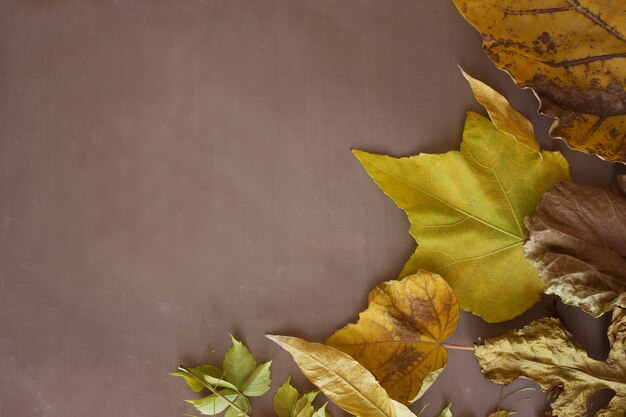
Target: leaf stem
(457,347)
(246,413)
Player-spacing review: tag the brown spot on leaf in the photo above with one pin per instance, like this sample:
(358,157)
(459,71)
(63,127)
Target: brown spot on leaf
(544,38)
(601,102)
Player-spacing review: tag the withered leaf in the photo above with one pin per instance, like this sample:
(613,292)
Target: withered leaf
(398,338)
(572,53)
(545,352)
(578,243)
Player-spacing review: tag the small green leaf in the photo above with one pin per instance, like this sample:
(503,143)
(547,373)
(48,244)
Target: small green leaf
(214,404)
(321,412)
(213,376)
(193,383)
(258,383)
(311,395)
(307,411)
(285,399)
(233,412)
(446,412)
(302,402)
(238,363)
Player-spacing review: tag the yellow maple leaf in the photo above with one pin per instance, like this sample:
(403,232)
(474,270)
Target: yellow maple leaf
(467,208)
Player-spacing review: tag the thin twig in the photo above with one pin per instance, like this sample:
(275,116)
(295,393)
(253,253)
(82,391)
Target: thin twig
(457,347)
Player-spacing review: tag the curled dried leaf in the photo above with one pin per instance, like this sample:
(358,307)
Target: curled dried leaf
(578,243)
(545,352)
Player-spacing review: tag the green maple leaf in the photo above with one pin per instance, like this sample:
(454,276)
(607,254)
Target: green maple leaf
(467,207)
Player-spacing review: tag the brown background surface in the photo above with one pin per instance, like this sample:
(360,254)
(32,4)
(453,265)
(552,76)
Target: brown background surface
(172,171)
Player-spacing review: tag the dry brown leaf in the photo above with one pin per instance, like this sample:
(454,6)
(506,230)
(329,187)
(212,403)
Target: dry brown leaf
(578,243)
(572,53)
(399,337)
(546,353)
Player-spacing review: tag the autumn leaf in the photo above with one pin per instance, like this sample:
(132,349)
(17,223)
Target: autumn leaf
(545,352)
(467,210)
(572,53)
(578,243)
(342,379)
(399,337)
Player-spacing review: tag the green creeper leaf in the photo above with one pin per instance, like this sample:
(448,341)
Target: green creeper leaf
(321,412)
(238,363)
(211,374)
(233,412)
(307,411)
(501,413)
(311,395)
(446,412)
(285,399)
(194,384)
(214,404)
(218,381)
(300,405)
(467,212)
(258,383)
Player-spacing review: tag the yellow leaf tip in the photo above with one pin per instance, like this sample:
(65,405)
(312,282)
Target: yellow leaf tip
(278,339)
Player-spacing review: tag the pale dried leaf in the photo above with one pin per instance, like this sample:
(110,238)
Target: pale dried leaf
(545,352)
(342,379)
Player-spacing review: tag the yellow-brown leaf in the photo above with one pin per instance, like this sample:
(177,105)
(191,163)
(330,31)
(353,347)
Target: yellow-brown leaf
(398,338)
(572,53)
